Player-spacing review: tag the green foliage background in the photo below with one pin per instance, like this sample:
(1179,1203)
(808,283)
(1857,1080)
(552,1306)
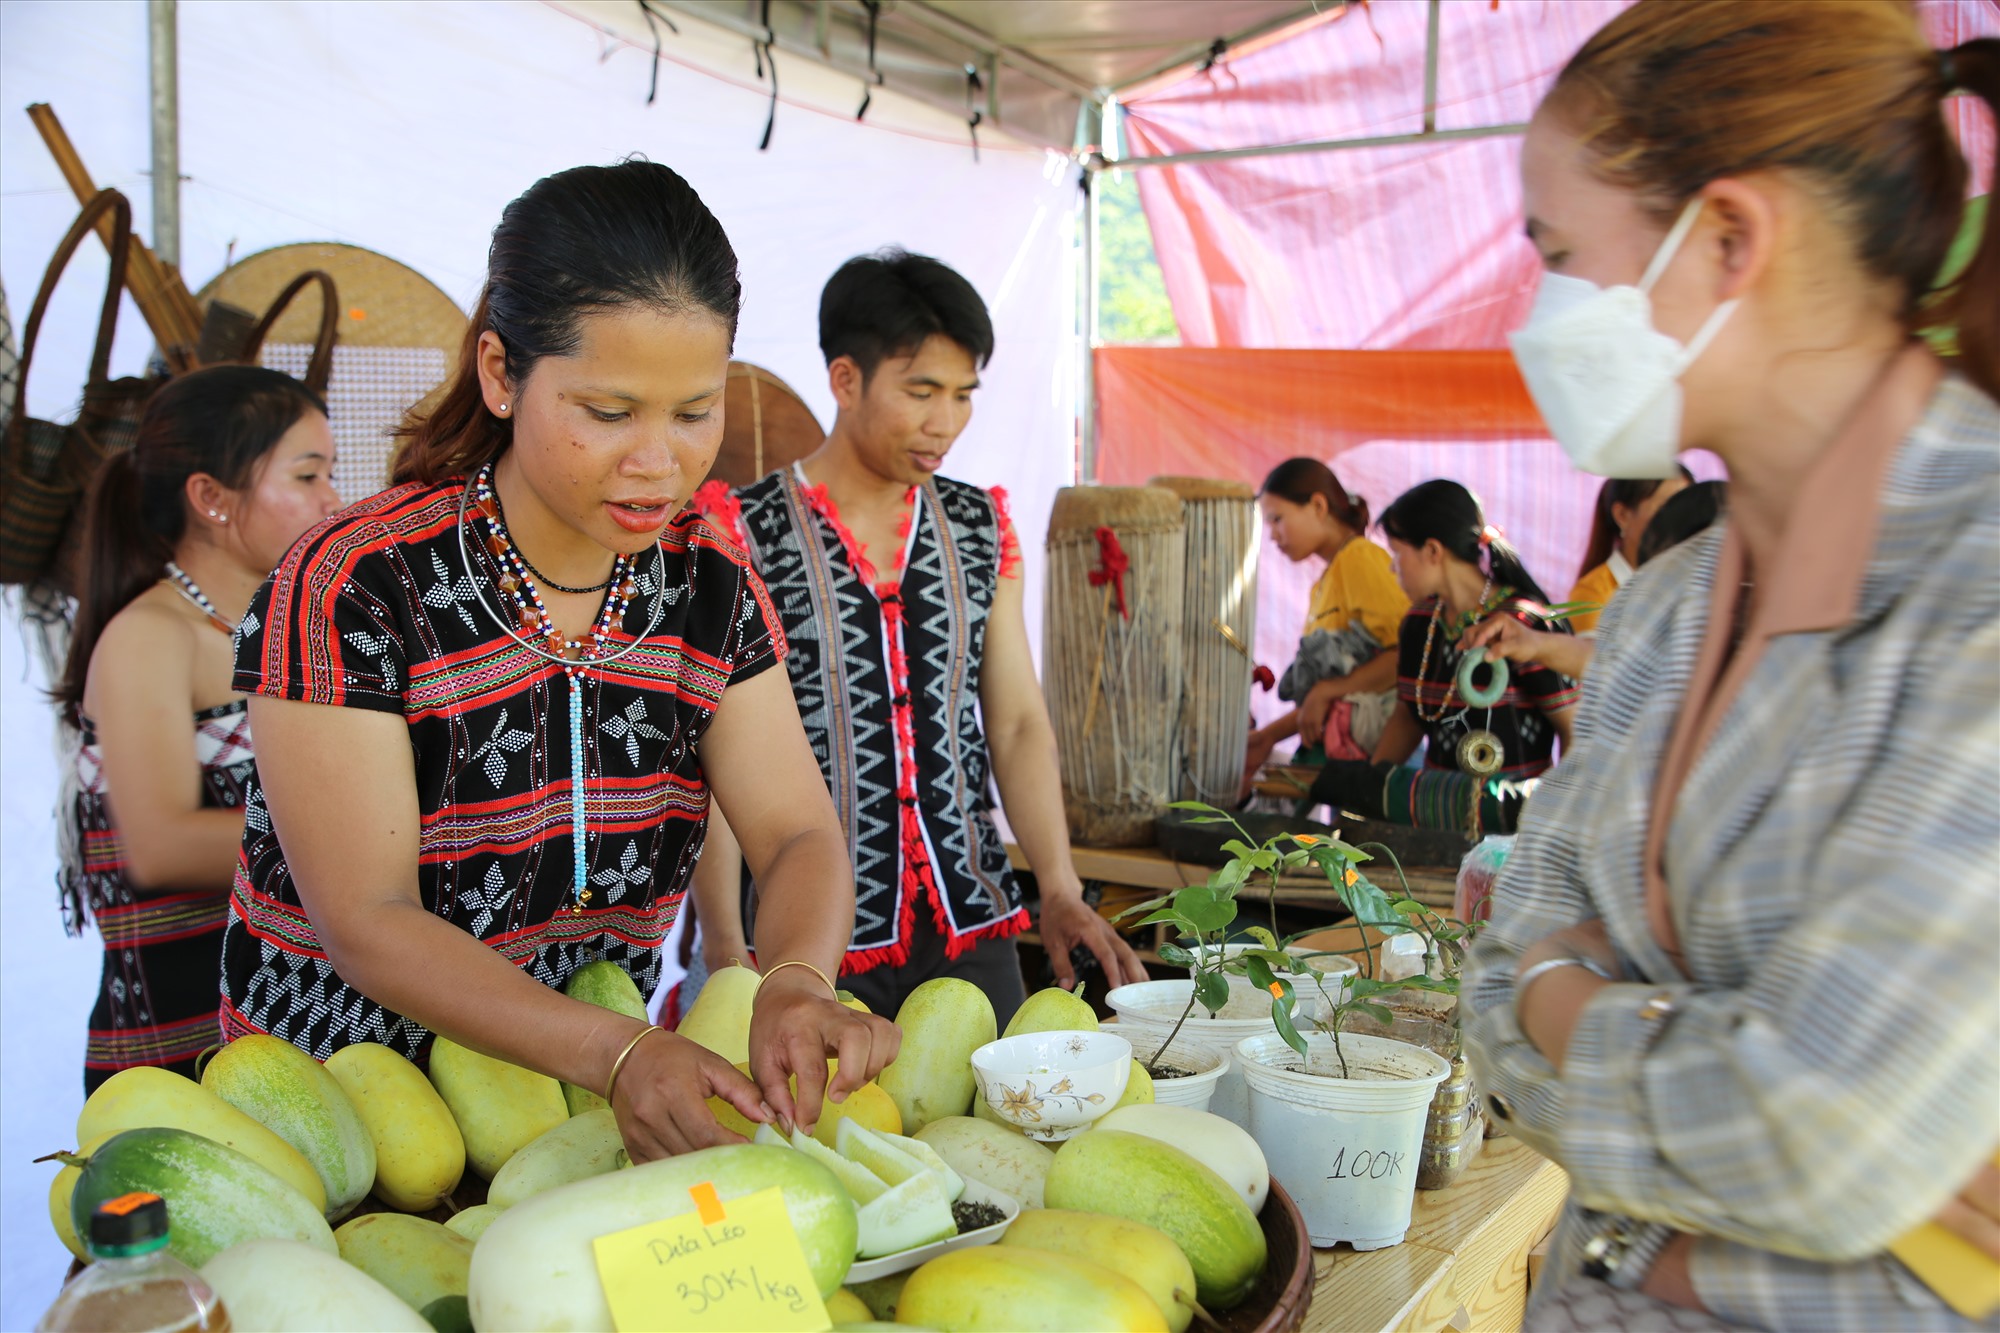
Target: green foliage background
(1132,297)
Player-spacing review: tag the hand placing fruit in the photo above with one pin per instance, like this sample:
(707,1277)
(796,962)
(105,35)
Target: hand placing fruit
(1068,921)
(796,1026)
(661,1097)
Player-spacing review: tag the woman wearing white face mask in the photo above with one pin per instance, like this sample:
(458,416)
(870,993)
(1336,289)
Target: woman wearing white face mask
(1697,988)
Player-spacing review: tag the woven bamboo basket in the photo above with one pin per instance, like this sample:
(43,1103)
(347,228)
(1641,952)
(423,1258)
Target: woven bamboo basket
(398,336)
(1113,679)
(1218,625)
(765,426)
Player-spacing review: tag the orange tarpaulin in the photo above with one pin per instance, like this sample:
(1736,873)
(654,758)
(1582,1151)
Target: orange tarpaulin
(1237,412)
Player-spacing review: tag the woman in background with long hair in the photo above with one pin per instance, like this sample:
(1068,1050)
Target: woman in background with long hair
(230,466)
(1617,522)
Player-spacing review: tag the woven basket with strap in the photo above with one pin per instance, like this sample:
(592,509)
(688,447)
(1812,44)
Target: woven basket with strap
(45,466)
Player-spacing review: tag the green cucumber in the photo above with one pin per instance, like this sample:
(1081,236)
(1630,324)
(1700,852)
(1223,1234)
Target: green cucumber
(215,1196)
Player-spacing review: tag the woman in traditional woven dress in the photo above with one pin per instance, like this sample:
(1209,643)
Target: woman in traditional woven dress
(1741,978)
(494,702)
(230,466)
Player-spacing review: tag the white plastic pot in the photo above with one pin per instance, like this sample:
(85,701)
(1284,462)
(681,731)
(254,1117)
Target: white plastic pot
(1346,1149)
(1148,1010)
(1197,1089)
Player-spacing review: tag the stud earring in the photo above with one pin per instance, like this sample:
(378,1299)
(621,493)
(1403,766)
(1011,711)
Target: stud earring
(503,409)
(219,518)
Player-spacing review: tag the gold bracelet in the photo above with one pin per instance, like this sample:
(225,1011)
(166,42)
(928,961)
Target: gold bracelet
(618,1065)
(798,962)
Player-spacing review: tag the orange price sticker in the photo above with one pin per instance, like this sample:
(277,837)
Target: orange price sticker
(1277,990)
(723,1267)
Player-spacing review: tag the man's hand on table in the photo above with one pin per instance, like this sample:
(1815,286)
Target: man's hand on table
(1068,921)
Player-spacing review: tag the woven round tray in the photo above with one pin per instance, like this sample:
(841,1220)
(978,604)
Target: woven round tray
(397,338)
(765,426)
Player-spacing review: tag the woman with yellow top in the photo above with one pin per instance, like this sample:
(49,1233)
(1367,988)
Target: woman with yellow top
(1310,513)
(1624,507)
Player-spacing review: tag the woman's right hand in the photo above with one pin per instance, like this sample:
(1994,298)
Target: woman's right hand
(662,1098)
(1501,635)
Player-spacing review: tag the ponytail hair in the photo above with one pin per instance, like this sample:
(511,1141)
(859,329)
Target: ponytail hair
(1604,521)
(580,242)
(1450,515)
(1845,95)
(1298,480)
(221,421)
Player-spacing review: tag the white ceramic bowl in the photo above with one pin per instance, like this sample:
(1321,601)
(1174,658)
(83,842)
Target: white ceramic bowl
(1049,1085)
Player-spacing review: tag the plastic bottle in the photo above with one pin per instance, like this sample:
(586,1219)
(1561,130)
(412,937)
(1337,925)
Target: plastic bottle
(135,1285)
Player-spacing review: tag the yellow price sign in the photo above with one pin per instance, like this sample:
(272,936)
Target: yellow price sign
(732,1267)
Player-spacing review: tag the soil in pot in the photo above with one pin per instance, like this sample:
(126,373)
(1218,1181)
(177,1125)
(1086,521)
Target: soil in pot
(1171,1071)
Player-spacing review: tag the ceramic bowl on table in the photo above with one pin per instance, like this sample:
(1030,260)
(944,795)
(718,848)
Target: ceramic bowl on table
(1050,1085)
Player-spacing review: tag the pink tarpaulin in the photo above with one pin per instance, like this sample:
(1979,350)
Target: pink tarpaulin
(1414,246)
(1410,248)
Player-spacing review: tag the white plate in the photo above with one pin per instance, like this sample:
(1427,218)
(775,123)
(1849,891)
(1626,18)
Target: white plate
(867,1270)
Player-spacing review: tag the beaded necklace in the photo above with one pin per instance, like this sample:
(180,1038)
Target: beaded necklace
(536,629)
(1424,666)
(191,590)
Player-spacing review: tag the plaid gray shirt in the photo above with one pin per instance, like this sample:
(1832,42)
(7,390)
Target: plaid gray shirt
(1830,1073)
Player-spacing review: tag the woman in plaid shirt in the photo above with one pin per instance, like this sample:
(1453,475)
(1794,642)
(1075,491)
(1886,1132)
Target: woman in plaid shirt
(1742,978)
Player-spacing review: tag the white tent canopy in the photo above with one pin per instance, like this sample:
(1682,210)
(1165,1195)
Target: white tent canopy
(405,128)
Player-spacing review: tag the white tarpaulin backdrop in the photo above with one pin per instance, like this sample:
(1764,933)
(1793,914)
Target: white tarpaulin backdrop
(405,128)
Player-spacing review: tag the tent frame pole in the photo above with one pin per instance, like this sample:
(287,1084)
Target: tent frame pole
(1093,262)
(1323,146)
(164,56)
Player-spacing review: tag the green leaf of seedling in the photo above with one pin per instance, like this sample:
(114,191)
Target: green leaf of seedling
(1193,805)
(1281,1019)
(1151,904)
(1204,908)
(1375,1011)
(1263,860)
(1169,916)
(1175,956)
(1363,988)
(1263,937)
(1237,847)
(1212,990)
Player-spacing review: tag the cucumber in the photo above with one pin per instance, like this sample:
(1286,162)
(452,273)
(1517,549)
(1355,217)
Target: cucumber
(472,1222)
(943,1021)
(148,1097)
(535,1268)
(608,986)
(500,1108)
(419,1153)
(911,1214)
(418,1259)
(216,1197)
(581,1146)
(291,1094)
(281,1286)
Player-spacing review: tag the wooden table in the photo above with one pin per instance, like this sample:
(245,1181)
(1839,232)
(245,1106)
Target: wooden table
(1464,1264)
(1133,874)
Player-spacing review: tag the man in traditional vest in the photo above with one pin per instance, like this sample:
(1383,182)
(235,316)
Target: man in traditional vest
(900,591)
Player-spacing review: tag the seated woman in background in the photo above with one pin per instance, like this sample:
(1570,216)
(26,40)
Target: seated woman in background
(1690,511)
(1623,510)
(1481,760)
(1356,609)
(231,465)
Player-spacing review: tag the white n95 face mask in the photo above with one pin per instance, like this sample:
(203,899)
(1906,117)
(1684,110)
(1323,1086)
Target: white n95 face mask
(1607,382)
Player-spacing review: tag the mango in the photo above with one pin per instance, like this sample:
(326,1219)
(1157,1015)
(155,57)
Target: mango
(147,1097)
(499,1108)
(1146,1255)
(720,1018)
(608,986)
(1012,1289)
(943,1021)
(415,1258)
(291,1094)
(1144,1180)
(1052,1010)
(419,1152)
(580,1147)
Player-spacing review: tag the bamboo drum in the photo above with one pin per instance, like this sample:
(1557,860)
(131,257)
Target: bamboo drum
(1218,625)
(1114,681)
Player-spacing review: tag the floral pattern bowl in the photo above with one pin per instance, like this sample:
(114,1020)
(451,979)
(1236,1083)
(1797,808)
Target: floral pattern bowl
(1050,1085)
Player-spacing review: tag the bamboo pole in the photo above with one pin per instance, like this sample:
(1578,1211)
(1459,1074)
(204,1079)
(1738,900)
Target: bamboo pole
(163,299)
